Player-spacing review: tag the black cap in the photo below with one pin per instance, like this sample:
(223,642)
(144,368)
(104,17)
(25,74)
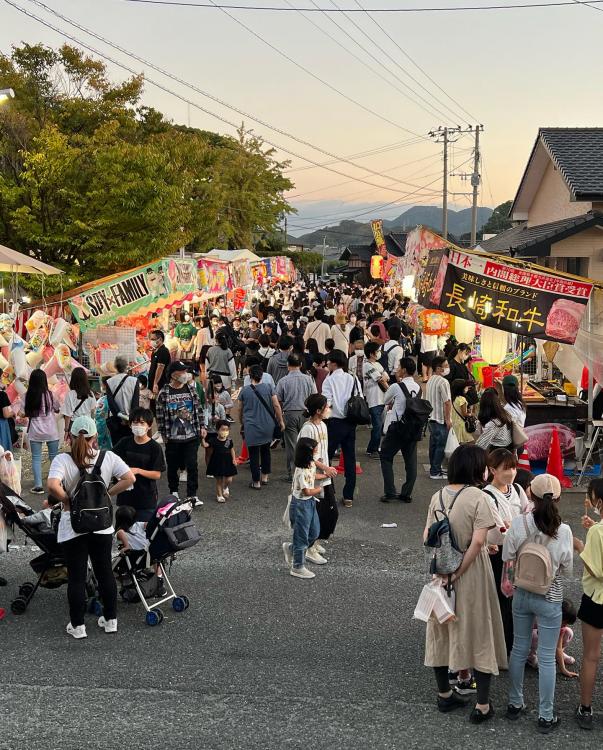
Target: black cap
(178,366)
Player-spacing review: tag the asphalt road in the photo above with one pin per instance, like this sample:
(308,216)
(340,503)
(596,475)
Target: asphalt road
(260,660)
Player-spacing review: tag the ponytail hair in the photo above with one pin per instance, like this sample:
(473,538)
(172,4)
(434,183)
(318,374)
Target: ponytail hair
(546,514)
(82,450)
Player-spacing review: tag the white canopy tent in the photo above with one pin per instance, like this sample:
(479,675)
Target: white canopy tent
(13,262)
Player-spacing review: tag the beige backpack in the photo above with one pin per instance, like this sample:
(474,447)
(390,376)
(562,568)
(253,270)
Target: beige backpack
(534,567)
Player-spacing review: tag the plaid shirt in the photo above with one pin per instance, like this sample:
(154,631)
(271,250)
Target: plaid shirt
(164,417)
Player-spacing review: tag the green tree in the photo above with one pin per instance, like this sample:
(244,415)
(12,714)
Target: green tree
(95,183)
(499,221)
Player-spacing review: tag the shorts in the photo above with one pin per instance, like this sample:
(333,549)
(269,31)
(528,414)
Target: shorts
(426,358)
(591,613)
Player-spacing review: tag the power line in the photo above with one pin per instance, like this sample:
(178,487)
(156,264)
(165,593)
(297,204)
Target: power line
(364,154)
(458,8)
(316,77)
(417,66)
(216,99)
(184,99)
(589,5)
(374,42)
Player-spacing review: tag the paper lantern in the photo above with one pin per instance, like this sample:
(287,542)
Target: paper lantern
(376,266)
(435,322)
(464,330)
(495,345)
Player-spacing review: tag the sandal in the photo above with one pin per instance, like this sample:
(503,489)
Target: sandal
(221,499)
(253,487)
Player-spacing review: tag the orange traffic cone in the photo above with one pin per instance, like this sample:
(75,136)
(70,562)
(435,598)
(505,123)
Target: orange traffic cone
(340,467)
(244,457)
(524,460)
(554,464)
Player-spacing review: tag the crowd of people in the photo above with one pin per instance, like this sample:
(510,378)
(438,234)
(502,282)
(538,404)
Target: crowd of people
(290,371)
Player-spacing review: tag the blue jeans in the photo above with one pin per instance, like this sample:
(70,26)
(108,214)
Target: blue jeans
(306,527)
(526,607)
(36,457)
(438,434)
(377,424)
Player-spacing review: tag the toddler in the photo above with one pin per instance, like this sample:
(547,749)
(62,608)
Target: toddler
(144,394)
(566,635)
(221,459)
(131,534)
(222,395)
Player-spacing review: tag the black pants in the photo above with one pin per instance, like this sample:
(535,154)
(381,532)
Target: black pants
(97,547)
(260,461)
(482,680)
(328,513)
(505,604)
(178,455)
(342,434)
(392,443)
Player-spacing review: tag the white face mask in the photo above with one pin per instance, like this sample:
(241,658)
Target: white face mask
(187,318)
(139,430)
(446,371)
(597,511)
(183,377)
(327,413)
(155,343)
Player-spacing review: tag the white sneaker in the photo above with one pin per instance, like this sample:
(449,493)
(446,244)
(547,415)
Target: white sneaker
(319,548)
(194,501)
(176,495)
(302,573)
(226,492)
(221,499)
(313,556)
(183,477)
(109,626)
(79,632)
(287,553)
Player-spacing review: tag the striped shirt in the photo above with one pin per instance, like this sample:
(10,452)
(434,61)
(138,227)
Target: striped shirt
(438,392)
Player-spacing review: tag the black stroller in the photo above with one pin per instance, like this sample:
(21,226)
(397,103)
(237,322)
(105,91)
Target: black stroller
(140,573)
(50,565)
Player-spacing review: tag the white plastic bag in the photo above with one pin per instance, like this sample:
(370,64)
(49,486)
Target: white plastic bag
(286,520)
(10,471)
(452,443)
(435,602)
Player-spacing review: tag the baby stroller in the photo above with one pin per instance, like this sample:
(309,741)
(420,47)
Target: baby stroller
(169,531)
(50,565)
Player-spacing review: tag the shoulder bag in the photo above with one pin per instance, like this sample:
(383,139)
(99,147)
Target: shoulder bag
(357,410)
(470,421)
(277,434)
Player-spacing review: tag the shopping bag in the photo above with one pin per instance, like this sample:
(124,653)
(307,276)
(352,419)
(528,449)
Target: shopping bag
(437,602)
(452,443)
(286,519)
(10,471)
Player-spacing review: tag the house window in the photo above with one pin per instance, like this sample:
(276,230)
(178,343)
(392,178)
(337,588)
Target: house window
(575,266)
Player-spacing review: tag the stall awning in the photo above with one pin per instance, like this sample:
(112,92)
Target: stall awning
(13,262)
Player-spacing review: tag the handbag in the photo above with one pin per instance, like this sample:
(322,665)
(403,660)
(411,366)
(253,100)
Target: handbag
(277,434)
(470,421)
(518,435)
(357,410)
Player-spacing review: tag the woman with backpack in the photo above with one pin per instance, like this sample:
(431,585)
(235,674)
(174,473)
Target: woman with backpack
(540,548)
(67,484)
(475,638)
(80,401)
(41,407)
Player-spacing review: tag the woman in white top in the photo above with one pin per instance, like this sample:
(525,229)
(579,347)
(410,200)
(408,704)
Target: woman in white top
(41,408)
(507,500)
(543,526)
(340,334)
(513,400)
(80,401)
(63,479)
(375,382)
(494,421)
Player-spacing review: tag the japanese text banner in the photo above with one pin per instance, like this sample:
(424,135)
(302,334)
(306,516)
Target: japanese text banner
(522,301)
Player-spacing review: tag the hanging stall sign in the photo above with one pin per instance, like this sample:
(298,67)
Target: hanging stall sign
(419,244)
(260,272)
(435,322)
(151,287)
(425,281)
(376,266)
(214,276)
(377,227)
(240,272)
(523,301)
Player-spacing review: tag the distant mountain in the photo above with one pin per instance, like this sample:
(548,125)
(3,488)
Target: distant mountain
(356,233)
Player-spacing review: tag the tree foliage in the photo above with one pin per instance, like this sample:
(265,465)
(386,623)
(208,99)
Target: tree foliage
(499,221)
(95,183)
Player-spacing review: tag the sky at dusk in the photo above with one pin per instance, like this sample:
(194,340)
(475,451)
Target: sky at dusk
(513,70)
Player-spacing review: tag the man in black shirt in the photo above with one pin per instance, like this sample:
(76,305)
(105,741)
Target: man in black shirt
(160,360)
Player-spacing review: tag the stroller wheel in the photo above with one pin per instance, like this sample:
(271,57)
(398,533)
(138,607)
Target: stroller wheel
(26,589)
(18,605)
(180,603)
(154,617)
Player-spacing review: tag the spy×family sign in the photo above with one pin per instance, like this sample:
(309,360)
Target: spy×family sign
(154,286)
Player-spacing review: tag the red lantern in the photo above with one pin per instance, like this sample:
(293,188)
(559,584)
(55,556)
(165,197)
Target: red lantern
(376,266)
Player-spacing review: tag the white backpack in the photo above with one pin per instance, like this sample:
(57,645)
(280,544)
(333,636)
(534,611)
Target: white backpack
(534,567)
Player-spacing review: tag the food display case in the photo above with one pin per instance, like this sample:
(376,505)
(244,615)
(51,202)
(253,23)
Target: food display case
(546,401)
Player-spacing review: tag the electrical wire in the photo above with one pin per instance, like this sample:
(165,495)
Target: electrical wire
(216,99)
(452,9)
(410,59)
(184,99)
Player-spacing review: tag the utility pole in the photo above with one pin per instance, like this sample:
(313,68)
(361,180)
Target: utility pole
(475,181)
(442,135)
(324,247)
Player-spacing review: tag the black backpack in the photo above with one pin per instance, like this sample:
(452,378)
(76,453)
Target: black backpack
(416,414)
(91,508)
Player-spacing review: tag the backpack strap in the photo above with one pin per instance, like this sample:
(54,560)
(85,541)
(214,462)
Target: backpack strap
(99,462)
(493,496)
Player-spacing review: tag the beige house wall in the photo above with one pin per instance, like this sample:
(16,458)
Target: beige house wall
(552,200)
(587,244)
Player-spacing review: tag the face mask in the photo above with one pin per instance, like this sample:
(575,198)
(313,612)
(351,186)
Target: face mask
(597,511)
(327,413)
(139,430)
(486,474)
(446,371)
(182,378)
(378,353)
(223,434)
(154,343)
(187,318)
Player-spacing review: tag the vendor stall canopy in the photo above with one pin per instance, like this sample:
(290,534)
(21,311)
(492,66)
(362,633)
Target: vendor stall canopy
(13,262)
